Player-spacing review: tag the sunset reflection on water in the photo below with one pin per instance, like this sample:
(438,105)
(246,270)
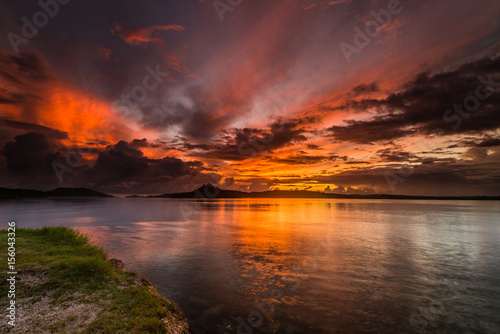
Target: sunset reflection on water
(301,265)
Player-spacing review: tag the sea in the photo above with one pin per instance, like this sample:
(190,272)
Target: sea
(300,265)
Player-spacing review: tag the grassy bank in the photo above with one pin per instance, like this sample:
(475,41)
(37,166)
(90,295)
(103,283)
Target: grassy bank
(67,285)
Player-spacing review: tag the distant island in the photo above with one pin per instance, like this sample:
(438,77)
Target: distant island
(6,193)
(209,191)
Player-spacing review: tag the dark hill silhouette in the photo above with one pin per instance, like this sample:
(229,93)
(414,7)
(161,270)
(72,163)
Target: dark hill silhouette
(210,191)
(80,192)
(58,192)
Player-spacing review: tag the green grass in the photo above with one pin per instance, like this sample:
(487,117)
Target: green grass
(71,270)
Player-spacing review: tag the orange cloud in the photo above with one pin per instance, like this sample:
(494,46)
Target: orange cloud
(83,117)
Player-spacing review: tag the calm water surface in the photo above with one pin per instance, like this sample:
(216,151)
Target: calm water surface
(302,265)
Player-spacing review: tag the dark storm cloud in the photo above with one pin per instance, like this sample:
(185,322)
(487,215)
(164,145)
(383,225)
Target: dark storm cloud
(25,75)
(313,147)
(28,160)
(365,89)
(368,132)
(142,143)
(117,163)
(303,158)
(190,147)
(123,168)
(395,155)
(27,153)
(284,133)
(357,163)
(25,126)
(25,66)
(490,142)
(300,158)
(122,163)
(118,168)
(240,144)
(427,103)
(485,141)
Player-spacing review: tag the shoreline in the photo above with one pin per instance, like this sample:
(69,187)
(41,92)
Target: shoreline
(64,283)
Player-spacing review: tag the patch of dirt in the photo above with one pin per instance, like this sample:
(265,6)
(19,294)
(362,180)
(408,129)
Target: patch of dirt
(31,277)
(42,317)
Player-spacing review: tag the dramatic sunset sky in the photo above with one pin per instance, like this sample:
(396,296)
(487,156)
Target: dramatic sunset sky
(163,96)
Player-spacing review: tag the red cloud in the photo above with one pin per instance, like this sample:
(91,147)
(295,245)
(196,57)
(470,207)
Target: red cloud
(136,36)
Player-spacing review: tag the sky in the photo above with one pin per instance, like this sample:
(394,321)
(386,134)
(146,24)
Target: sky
(353,97)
